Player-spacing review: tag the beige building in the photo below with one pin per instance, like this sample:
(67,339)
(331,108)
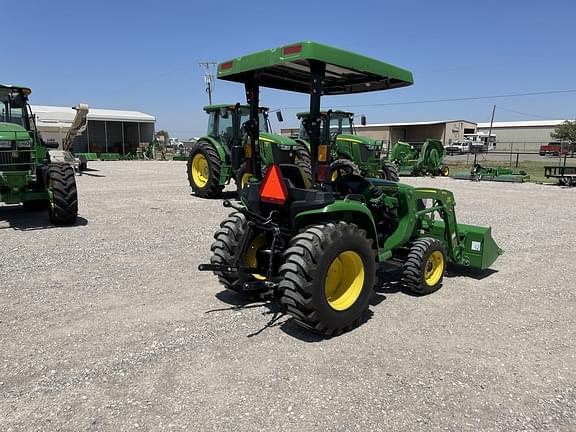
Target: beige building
(524,136)
(447,131)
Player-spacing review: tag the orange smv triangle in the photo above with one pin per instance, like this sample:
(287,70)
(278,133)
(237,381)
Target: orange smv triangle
(273,189)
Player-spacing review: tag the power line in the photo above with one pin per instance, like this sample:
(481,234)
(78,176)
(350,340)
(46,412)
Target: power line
(500,107)
(426,101)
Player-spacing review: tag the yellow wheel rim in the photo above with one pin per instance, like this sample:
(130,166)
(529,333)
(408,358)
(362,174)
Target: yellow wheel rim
(251,257)
(200,171)
(434,268)
(344,280)
(338,172)
(244,180)
(446,171)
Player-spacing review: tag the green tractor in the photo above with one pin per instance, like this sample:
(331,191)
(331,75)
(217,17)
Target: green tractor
(318,248)
(28,174)
(349,153)
(419,159)
(224,153)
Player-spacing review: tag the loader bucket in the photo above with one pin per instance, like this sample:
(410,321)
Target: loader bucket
(480,249)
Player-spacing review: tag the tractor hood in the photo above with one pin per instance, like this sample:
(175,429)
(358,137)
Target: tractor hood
(356,139)
(277,139)
(12,131)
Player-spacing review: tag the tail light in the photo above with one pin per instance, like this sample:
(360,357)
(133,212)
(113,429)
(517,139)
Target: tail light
(322,173)
(323,153)
(292,49)
(248,150)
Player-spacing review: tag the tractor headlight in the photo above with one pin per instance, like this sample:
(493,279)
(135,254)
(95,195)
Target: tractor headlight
(5,144)
(285,147)
(25,144)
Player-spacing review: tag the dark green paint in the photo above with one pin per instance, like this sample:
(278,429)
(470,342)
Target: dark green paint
(18,180)
(347,72)
(412,160)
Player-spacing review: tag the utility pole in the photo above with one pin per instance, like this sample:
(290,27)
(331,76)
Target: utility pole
(489,133)
(208,78)
(491,123)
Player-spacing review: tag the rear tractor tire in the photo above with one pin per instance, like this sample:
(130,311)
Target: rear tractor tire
(389,171)
(204,166)
(303,161)
(63,208)
(341,168)
(226,251)
(424,268)
(328,276)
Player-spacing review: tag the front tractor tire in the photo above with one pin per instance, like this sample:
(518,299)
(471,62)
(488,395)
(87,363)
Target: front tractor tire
(423,270)
(204,166)
(328,276)
(226,251)
(341,168)
(63,206)
(242,177)
(389,171)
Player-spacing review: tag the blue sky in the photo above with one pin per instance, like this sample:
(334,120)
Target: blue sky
(144,55)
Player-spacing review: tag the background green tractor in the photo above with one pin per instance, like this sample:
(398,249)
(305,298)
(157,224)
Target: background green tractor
(28,175)
(225,153)
(318,248)
(419,159)
(349,153)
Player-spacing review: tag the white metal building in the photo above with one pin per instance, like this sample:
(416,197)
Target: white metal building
(108,131)
(521,135)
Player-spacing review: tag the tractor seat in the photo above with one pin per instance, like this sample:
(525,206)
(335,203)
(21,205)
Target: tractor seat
(349,185)
(295,175)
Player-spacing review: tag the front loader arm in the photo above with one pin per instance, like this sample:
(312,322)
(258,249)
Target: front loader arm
(78,126)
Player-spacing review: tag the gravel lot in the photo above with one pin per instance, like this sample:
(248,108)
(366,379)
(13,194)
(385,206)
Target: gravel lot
(108,325)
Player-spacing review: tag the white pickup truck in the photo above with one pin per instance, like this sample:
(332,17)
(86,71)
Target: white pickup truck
(457,148)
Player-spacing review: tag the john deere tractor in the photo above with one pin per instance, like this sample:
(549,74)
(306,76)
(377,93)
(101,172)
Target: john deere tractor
(349,153)
(418,159)
(224,153)
(28,175)
(318,247)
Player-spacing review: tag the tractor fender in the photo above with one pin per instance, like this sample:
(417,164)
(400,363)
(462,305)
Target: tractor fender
(223,152)
(303,142)
(346,210)
(224,155)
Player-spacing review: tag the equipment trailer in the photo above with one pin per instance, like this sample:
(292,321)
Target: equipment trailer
(566,175)
(318,246)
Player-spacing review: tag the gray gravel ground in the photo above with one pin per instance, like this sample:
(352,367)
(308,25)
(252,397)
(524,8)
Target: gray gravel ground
(107,325)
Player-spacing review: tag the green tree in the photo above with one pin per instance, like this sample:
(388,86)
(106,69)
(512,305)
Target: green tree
(565,132)
(164,134)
